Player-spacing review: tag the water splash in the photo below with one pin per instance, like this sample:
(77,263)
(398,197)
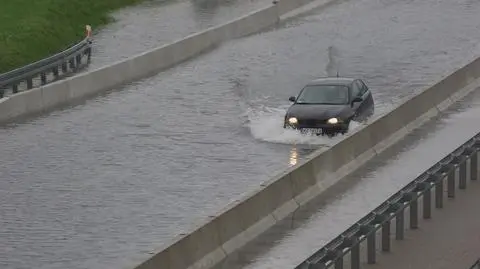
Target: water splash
(266,124)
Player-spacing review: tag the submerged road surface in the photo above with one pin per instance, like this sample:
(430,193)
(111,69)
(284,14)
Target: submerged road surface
(291,242)
(159,22)
(110,180)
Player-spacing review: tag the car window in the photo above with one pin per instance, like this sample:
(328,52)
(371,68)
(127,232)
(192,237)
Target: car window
(356,90)
(323,94)
(363,87)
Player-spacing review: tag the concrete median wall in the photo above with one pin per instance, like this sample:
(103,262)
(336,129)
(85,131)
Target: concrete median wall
(145,64)
(240,222)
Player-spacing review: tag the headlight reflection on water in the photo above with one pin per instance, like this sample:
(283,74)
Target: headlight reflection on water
(293,156)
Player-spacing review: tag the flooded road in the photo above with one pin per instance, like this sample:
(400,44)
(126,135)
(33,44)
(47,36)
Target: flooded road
(111,179)
(158,22)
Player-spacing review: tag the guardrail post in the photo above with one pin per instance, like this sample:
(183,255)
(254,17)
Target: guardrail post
(89,54)
(72,63)
(43,78)
(371,249)
(29,83)
(339,263)
(427,201)
(386,236)
(369,232)
(355,254)
(451,180)
(413,210)
(468,163)
(15,88)
(2,92)
(338,260)
(55,72)
(64,67)
(462,172)
(474,163)
(438,179)
(79,59)
(399,222)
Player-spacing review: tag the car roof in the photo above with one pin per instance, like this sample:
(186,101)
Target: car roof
(332,81)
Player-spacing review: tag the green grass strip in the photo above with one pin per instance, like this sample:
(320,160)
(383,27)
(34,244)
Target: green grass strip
(34,29)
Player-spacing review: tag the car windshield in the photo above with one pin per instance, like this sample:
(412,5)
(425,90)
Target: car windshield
(323,94)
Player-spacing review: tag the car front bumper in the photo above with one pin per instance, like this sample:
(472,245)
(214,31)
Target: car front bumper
(319,128)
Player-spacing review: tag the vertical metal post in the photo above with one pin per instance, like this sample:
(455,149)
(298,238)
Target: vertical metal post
(371,249)
(89,54)
(64,67)
(462,173)
(478,163)
(451,181)
(43,78)
(29,83)
(2,93)
(355,255)
(413,211)
(474,165)
(55,71)
(427,202)
(439,192)
(15,88)
(386,236)
(339,260)
(79,59)
(399,221)
(72,63)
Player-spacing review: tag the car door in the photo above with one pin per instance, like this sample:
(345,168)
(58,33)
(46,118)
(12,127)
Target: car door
(358,107)
(368,105)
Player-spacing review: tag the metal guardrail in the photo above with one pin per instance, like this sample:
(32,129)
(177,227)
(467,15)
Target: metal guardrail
(452,168)
(68,61)
(476,265)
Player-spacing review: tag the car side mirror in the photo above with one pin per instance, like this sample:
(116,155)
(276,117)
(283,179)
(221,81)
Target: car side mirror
(292,99)
(356,100)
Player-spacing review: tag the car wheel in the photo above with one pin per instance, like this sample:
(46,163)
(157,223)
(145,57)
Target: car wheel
(348,126)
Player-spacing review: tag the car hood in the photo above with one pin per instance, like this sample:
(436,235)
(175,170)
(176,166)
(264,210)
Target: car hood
(318,111)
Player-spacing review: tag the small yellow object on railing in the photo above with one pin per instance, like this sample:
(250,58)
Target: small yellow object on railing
(88,29)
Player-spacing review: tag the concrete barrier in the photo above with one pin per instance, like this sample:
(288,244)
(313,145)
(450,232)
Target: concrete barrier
(208,244)
(145,64)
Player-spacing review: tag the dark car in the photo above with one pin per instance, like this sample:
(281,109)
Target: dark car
(328,105)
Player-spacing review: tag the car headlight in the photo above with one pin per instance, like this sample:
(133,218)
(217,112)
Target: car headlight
(333,121)
(293,120)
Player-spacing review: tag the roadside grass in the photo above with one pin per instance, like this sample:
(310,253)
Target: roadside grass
(34,29)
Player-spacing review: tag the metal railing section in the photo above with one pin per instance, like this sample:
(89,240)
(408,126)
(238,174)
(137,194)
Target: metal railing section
(49,69)
(459,166)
